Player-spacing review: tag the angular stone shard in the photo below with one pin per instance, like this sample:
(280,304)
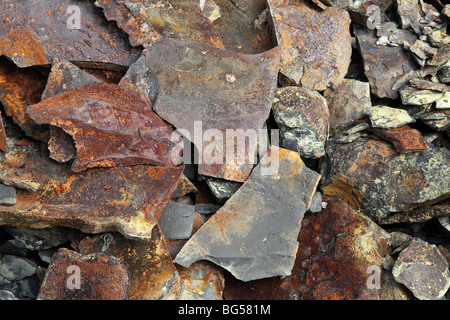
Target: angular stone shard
(125,199)
(303,118)
(347,101)
(130,133)
(412,96)
(34,33)
(423,270)
(316,46)
(372,177)
(7,195)
(152,273)
(404,138)
(336,249)
(202,87)
(254,235)
(388,118)
(101,277)
(201,281)
(383,65)
(221,189)
(176,220)
(146,21)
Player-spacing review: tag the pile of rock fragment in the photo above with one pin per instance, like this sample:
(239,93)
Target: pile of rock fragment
(96,96)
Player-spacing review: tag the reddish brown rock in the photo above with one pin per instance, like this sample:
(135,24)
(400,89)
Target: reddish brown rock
(336,248)
(20,88)
(110,125)
(101,277)
(152,273)
(146,21)
(36,32)
(405,139)
(316,45)
(3,142)
(125,199)
(202,87)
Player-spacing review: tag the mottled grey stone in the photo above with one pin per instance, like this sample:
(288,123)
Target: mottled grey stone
(40,239)
(16,268)
(423,270)
(7,195)
(221,189)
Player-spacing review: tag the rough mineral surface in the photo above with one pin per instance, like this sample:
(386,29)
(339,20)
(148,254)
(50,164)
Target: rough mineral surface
(404,138)
(303,118)
(202,87)
(316,46)
(102,277)
(125,199)
(152,273)
(130,133)
(347,101)
(254,235)
(383,65)
(388,118)
(423,270)
(336,248)
(176,220)
(372,177)
(35,32)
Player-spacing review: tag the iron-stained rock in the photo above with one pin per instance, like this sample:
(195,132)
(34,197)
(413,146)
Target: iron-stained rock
(316,45)
(202,87)
(101,277)
(388,118)
(152,273)
(375,179)
(303,118)
(404,138)
(110,125)
(203,280)
(125,199)
(383,65)
(34,33)
(254,235)
(336,249)
(423,270)
(176,220)
(347,102)
(418,215)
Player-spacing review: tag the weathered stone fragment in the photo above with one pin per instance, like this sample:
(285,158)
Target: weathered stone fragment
(40,239)
(176,220)
(383,65)
(18,275)
(152,273)
(372,177)
(19,88)
(316,45)
(444,102)
(184,186)
(444,74)
(404,138)
(146,21)
(7,195)
(303,118)
(221,189)
(101,277)
(125,199)
(202,87)
(359,10)
(408,11)
(205,202)
(36,32)
(61,146)
(254,235)
(336,249)
(203,280)
(412,96)
(3,142)
(437,119)
(423,270)
(388,118)
(130,133)
(347,101)
(419,214)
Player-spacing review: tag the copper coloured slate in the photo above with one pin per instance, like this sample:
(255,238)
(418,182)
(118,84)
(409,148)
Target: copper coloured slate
(36,32)
(110,124)
(202,86)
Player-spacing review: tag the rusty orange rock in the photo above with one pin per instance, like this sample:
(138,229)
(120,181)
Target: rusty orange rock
(111,126)
(100,277)
(316,45)
(152,273)
(125,199)
(336,248)
(405,139)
